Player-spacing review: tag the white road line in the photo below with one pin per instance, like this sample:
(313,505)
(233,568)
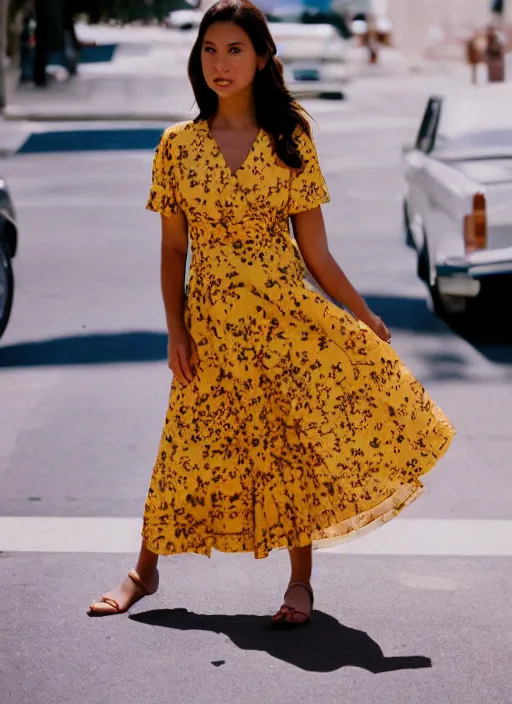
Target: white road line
(434,537)
(57,534)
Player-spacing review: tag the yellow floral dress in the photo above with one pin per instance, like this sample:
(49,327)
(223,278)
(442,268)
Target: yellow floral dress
(300,424)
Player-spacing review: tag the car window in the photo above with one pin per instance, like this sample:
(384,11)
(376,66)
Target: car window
(476,122)
(427,133)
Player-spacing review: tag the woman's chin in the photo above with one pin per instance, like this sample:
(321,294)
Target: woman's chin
(225,91)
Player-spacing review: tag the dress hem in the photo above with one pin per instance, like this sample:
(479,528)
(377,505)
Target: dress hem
(332,533)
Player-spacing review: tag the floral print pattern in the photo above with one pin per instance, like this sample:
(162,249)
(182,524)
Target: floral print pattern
(301,424)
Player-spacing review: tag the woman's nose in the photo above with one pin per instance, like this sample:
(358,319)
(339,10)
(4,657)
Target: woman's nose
(221,66)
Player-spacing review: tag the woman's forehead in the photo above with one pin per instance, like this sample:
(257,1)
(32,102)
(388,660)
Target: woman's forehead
(226,33)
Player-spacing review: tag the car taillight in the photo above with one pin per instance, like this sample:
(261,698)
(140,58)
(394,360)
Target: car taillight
(475,225)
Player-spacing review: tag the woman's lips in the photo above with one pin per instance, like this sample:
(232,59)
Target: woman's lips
(222,82)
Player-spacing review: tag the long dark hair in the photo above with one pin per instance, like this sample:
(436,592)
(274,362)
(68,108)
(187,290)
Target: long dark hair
(277,113)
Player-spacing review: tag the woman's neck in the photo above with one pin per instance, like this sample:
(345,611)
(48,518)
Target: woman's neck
(237,113)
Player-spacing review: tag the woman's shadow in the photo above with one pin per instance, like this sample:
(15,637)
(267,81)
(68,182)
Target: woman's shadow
(324,645)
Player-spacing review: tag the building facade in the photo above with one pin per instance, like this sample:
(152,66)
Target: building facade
(437,28)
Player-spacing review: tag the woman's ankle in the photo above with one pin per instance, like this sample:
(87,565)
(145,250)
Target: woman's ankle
(301,578)
(301,560)
(147,562)
(146,569)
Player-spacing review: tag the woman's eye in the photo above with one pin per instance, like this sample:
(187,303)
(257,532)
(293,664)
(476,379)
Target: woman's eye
(235,50)
(209,49)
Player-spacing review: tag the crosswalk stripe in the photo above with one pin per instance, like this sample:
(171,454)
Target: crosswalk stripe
(434,537)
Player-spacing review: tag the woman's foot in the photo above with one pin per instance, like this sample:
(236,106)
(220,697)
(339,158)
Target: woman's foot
(297,607)
(120,599)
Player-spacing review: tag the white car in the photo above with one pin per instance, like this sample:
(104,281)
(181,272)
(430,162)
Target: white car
(306,42)
(8,247)
(458,197)
(295,41)
(184,19)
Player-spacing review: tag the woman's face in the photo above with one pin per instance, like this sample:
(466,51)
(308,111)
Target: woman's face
(228,59)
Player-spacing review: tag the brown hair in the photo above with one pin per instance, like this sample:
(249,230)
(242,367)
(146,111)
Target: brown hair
(277,113)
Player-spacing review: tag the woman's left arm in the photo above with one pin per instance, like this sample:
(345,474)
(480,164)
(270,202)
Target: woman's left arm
(309,230)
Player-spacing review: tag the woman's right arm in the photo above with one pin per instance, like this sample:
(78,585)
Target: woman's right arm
(182,352)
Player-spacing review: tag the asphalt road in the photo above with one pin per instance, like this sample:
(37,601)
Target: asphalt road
(417,612)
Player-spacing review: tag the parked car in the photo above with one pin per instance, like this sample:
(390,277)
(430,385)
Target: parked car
(306,42)
(458,197)
(184,19)
(8,246)
(295,41)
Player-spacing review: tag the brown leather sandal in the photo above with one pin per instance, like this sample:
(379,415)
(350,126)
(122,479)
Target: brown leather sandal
(281,620)
(113,603)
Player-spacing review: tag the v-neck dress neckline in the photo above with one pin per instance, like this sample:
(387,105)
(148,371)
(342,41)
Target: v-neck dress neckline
(232,174)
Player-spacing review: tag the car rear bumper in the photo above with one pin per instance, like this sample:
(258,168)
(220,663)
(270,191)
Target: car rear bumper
(461,277)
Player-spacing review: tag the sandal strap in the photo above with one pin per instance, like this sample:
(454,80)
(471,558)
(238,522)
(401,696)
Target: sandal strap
(138,581)
(296,611)
(305,586)
(111,602)
(286,614)
(283,613)
(285,610)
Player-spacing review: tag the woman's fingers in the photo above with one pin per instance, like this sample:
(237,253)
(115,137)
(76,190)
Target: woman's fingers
(175,367)
(183,359)
(186,371)
(381,330)
(195,355)
(385,334)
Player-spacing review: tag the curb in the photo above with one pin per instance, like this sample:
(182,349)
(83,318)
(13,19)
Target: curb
(303,89)
(324,92)
(28,116)
(19,136)
(316,89)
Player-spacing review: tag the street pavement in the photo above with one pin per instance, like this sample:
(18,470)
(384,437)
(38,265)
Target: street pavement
(417,612)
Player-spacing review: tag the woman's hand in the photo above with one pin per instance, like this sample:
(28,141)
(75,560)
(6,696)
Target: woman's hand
(182,354)
(377,325)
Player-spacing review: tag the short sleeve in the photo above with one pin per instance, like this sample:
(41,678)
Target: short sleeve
(164,195)
(308,189)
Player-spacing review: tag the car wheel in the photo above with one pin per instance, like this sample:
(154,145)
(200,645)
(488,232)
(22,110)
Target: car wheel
(453,309)
(423,269)
(407,228)
(6,286)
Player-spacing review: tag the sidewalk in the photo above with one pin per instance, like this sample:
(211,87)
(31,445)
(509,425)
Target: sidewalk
(147,79)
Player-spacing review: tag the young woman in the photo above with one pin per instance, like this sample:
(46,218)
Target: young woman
(289,420)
